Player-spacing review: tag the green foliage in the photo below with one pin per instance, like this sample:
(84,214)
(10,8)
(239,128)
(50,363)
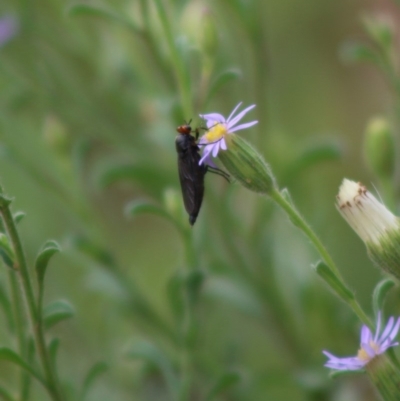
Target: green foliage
(226,310)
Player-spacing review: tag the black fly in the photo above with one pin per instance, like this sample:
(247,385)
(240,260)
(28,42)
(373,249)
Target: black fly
(191,174)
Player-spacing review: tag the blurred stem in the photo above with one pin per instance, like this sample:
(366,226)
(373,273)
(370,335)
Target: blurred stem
(21,269)
(299,222)
(181,74)
(20,332)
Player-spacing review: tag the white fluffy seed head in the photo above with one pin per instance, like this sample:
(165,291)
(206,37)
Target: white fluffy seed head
(369,218)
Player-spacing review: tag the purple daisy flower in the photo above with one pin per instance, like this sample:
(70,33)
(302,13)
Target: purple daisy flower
(214,139)
(8,29)
(371,346)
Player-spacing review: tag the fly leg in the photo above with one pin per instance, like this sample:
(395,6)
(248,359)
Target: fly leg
(217,171)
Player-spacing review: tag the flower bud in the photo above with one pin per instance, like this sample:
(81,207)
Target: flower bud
(246,165)
(374,223)
(379,148)
(384,376)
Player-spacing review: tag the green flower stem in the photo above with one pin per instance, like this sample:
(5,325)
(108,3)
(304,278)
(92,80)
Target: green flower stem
(23,274)
(19,328)
(181,73)
(299,222)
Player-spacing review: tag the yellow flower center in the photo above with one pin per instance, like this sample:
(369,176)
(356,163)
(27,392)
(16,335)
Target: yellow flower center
(215,133)
(363,355)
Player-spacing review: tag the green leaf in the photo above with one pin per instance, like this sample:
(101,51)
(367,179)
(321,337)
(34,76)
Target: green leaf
(226,381)
(7,354)
(5,395)
(136,208)
(94,250)
(94,372)
(151,354)
(56,312)
(18,216)
(380,292)
(6,251)
(340,373)
(312,156)
(147,176)
(88,10)
(48,250)
(235,293)
(222,79)
(6,305)
(339,288)
(53,350)
(194,282)
(359,52)
(175,294)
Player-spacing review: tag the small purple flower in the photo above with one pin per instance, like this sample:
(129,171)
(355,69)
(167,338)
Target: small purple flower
(371,346)
(218,127)
(8,29)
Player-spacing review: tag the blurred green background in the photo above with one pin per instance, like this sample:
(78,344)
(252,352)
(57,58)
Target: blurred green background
(90,97)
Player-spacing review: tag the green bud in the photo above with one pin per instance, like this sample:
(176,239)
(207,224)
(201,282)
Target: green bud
(385,377)
(172,202)
(55,135)
(246,165)
(386,253)
(379,147)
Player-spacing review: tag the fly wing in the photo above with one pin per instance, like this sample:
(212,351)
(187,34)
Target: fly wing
(191,177)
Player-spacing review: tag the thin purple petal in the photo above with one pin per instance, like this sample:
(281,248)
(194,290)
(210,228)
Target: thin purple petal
(206,153)
(212,118)
(223,144)
(8,29)
(366,335)
(368,349)
(348,363)
(243,126)
(378,327)
(208,161)
(394,332)
(216,149)
(387,330)
(231,124)
(233,112)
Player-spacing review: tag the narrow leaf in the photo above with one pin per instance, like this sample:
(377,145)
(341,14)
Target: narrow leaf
(6,251)
(5,395)
(18,216)
(226,381)
(56,312)
(95,371)
(7,354)
(139,207)
(340,373)
(151,354)
(42,260)
(147,176)
(380,292)
(359,52)
(340,289)
(175,294)
(311,157)
(88,10)
(94,250)
(221,80)
(53,350)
